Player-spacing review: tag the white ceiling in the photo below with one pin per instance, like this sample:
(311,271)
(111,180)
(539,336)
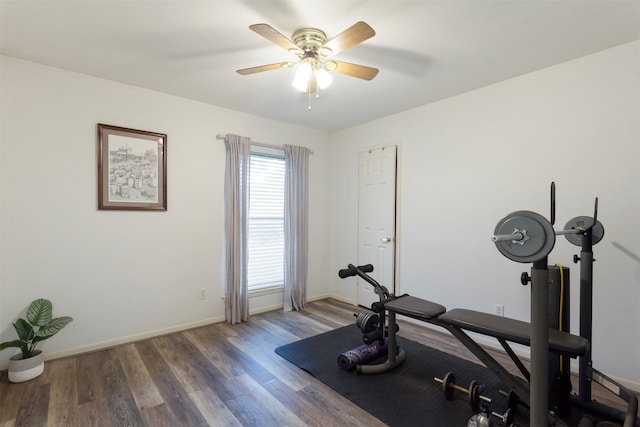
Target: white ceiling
(425,50)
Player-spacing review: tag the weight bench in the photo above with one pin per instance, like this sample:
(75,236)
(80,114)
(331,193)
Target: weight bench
(504,329)
(456,322)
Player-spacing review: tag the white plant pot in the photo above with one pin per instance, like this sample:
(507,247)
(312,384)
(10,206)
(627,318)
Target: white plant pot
(21,370)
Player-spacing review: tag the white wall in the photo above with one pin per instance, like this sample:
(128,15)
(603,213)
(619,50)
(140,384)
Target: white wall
(122,274)
(464,163)
(468,161)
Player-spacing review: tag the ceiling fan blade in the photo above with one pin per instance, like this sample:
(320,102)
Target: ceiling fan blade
(262,68)
(352,70)
(271,34)
(357,33)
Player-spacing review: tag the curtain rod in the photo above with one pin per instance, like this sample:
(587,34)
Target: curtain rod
(259,144)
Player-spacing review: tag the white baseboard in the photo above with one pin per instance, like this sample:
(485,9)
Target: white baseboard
(123,340)
(341,299)
(480,339)
(280,305)
(150,334)
(319,297)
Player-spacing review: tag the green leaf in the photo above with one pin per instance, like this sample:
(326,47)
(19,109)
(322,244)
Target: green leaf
(38,327)
(52,328)
(8,344)
(39,312)
(24,329)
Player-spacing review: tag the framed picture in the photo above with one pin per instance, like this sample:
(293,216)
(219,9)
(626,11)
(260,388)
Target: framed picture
(132,169)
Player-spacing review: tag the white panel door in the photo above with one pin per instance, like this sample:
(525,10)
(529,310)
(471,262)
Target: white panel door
(376,219)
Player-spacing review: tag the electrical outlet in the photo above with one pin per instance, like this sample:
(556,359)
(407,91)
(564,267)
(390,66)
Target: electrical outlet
(203,293)
(500,309)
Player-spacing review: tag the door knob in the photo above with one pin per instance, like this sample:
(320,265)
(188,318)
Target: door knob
(386,239)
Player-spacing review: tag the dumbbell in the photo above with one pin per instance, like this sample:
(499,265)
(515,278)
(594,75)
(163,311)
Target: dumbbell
(473,392)
(506,418)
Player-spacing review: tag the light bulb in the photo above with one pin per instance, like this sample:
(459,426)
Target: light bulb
(304,71)
(300,85)
(303,74)
(323,78)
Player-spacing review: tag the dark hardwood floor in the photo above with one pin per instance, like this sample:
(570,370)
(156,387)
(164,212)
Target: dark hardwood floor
(216,375)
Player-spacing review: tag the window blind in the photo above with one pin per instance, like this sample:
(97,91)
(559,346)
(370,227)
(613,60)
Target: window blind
(266,221)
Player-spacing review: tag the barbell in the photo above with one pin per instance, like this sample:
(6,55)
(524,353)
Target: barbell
(576,227)
(473,392)
(525,236)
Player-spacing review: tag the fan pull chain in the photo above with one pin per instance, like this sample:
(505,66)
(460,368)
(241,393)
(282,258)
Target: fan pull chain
(309,97)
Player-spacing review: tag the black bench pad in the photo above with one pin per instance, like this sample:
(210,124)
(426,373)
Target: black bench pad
(513,330)
(417,308)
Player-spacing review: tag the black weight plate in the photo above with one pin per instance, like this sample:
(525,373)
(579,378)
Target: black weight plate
(540,233)
(473,393)
(597,232)
(447,389)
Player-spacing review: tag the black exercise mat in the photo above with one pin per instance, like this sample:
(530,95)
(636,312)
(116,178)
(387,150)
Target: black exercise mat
(406,396)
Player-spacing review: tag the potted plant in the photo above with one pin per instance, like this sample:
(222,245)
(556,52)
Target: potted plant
(38,326)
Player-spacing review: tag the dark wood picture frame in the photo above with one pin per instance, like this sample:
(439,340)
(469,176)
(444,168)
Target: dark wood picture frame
(132,169)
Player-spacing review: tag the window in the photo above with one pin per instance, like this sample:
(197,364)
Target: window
(266,221)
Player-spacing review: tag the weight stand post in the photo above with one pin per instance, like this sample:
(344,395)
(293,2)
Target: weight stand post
(539,343)
(586,373)
(586,314)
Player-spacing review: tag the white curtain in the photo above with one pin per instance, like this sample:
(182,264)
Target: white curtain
(236,195)
(296,224)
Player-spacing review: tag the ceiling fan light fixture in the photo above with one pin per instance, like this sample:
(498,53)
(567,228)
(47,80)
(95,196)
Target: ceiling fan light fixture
(311,46)
(323,78)
(304,71)
(302,76)
(300,85)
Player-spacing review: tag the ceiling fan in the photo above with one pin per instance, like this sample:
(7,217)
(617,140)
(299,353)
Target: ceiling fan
(312,48)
